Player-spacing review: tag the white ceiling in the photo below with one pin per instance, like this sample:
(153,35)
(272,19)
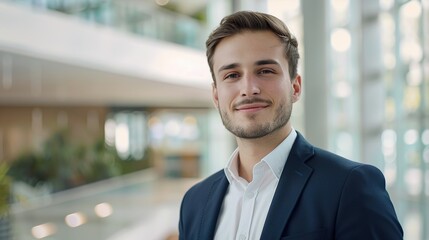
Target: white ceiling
(54,59)
(42,82)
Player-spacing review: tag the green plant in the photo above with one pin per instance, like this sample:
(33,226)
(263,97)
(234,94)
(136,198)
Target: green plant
(4,189)
(62,164)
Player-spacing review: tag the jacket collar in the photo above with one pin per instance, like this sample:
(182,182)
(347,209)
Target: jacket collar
(212,209)
(292,181)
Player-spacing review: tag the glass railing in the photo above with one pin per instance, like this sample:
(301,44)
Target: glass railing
(136,206)
(142,18)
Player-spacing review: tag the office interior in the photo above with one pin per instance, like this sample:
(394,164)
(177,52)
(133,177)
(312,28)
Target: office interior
(106,116)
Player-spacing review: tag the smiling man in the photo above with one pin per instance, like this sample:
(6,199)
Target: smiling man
(276,185)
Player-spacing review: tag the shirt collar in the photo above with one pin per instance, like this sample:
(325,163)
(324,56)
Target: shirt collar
(275,160)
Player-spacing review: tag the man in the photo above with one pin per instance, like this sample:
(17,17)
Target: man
(276,185)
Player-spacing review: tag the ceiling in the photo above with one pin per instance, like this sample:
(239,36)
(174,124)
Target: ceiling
(48,58)
(34,81)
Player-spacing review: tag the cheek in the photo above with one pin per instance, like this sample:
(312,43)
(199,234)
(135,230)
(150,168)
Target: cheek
(225,98)
(222,99)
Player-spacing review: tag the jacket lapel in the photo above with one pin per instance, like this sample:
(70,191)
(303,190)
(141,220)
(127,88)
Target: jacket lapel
(292,181)
(212,209)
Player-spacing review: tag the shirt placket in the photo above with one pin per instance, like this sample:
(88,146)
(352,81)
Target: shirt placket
(248,205)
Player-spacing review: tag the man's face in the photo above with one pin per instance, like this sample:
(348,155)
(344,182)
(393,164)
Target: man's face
(253,92)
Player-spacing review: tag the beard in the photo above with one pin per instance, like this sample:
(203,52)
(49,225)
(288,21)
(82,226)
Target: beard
(258,130)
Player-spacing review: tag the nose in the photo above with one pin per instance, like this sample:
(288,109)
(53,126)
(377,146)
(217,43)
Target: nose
(249,86)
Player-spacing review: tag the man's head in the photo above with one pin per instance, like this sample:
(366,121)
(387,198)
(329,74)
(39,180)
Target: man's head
(252,57)
(254,21)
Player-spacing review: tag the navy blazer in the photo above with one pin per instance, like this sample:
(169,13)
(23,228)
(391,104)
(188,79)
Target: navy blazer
(319,196)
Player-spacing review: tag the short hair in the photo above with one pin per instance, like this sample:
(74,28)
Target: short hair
(254,21)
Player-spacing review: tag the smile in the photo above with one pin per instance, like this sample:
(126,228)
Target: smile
(251,107)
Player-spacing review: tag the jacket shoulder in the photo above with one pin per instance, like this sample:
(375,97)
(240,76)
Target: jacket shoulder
(203,187)
(330,159)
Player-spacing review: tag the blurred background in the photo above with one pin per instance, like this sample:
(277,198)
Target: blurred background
(106,116)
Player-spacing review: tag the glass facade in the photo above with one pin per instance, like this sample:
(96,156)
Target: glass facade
(377,107)
(405,38)
(344,78)
(378,104)
(142,18)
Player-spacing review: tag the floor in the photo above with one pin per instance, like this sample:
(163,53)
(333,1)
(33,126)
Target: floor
(141,206)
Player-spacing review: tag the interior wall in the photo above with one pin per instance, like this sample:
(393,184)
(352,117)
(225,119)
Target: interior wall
(23,129)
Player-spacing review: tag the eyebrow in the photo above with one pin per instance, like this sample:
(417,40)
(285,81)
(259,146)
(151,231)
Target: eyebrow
(226,67)
(266,62)
(257,63)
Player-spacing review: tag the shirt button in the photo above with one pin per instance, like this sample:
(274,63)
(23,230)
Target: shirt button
(242,237)
(250,194)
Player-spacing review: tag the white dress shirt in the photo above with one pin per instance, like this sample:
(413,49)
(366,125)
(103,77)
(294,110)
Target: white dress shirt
(246,205)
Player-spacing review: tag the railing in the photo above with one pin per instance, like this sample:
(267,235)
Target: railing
(141,18)
(118,208)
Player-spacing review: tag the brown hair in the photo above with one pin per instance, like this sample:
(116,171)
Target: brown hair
(254,21)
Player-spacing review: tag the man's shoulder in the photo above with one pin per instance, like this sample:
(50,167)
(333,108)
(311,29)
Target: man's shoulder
(330,162)
(203,187)
(333,158)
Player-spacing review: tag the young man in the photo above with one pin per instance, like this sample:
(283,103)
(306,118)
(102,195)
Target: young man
(276,185)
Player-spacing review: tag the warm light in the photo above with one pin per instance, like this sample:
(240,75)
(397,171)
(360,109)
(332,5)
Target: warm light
(340,40)
(122,141)
(412,9)
(411,136)
(389,61)
(414,75)
(388,141)
(388,138)
(412,98)
(413,181)
(388,31)
(153,121)
(172,128)
(75,219)
(191,120)
(43,230)
(390,109)
(189,129)
(340,5)
(343,89)
(103,210)
(390,175)
(386,4)
(411,51)
(109,132)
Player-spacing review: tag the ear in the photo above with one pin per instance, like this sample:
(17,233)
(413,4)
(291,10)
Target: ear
(296,88)
(215,97)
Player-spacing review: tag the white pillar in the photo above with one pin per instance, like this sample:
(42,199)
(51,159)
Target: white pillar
(316,65)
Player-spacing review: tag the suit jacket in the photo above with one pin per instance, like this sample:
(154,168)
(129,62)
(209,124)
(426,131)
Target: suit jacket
(319,196)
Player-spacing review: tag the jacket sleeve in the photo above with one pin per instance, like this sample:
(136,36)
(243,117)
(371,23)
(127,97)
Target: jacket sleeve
(365,209)
(182,219)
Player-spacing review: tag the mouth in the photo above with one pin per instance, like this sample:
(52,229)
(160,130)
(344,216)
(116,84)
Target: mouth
(252,107)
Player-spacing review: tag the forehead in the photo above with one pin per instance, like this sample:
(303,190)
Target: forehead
(246,47)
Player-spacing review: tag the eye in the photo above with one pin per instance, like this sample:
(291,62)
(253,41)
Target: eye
(232,76)
(266,71)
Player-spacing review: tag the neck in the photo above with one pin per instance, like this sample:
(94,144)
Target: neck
(251,151)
